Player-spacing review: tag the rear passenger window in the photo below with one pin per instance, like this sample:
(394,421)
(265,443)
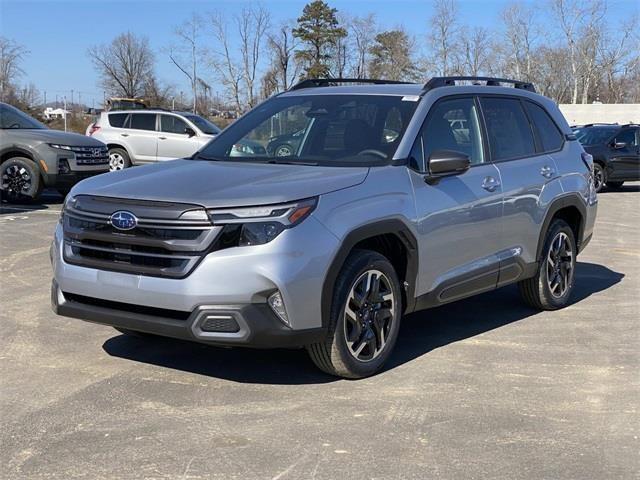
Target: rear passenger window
(548,133)
(117,119)
(143,121)
(508,129)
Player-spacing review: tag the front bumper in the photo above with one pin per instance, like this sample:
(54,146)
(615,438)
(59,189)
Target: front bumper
(252,325)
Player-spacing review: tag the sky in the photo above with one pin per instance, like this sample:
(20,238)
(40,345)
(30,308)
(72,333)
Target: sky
(57,33)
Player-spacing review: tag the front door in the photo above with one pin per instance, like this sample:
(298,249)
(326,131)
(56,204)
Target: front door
(458,217)
(624,162)
(174,141)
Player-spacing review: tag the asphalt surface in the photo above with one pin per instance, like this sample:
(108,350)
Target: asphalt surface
(485,388)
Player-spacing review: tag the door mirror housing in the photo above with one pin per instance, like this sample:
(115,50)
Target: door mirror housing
(619,145)
(190,131)
(445,163)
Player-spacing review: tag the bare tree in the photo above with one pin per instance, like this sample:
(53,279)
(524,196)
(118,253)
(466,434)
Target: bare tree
(444,30)
(125,64)
(521,37)
(362,31)
(224,60)
(252,23)
(189,35)
(579,21)
(11,55)
(476,51)
(283,44)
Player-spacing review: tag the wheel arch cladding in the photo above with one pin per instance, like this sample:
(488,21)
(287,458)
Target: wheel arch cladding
(391,238)
(571,209)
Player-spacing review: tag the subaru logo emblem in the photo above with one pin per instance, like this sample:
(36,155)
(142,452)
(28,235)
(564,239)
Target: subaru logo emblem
(123,220)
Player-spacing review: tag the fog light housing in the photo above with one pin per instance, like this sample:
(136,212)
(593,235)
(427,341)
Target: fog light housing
(63,166)
(277,305)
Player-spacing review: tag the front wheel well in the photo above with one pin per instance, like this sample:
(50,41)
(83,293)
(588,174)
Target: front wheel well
(391,247)
(15,153)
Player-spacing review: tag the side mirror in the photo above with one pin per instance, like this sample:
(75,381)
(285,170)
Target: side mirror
(444,163)
(190,131)
(619,145)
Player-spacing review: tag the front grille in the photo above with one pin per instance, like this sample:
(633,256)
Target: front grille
(160,245)
(91,155)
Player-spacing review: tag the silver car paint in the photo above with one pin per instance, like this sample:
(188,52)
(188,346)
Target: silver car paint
(459,226)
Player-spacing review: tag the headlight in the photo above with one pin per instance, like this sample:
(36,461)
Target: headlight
(61,147)
(259,225)
(69,202)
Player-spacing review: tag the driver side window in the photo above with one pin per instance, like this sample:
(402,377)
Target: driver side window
(453,124)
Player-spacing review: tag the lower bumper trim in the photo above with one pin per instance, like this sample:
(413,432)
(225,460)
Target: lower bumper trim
(258,327)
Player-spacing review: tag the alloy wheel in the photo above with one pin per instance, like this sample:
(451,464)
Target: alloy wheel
(598,177)
(116,162)
(16,180)
(284,151)
(560,265)
(368,315)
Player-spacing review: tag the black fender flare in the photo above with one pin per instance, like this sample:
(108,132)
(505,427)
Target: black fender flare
(567,200)
(393,226)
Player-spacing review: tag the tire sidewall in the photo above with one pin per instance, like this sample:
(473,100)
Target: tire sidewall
(600,168)
(558,226)
(365,261)
(36,184)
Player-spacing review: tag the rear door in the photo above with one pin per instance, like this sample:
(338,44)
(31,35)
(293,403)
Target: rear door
(174,141)
(522,151)
(142,137)
(458,217)
(625,160)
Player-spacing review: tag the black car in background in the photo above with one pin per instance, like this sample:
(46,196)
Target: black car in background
(616,152)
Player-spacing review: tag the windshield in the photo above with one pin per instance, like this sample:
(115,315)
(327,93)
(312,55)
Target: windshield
(333,130)
(204,125)
(12,118)
(594,135)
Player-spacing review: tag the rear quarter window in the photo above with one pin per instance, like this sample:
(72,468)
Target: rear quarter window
(117,119)
(550,137)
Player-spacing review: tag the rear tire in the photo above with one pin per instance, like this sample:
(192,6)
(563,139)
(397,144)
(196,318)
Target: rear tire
(614,185)
(551,287)
(366,309)
(20,180)
(599,176)
(118,159)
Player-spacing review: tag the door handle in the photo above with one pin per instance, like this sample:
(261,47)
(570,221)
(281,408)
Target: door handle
(547,171)
(490,184)
(162,138)
(124,134)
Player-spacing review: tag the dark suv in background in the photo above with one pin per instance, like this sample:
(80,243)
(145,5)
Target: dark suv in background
(33,156)
(616,152)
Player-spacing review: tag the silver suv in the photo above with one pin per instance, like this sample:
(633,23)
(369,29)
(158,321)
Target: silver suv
(136,137)
(397,198)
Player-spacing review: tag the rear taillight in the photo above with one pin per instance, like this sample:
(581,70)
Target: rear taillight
(93,128)
(587,159)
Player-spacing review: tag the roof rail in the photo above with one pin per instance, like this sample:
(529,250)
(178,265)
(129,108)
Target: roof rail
(332,82)
(436,82)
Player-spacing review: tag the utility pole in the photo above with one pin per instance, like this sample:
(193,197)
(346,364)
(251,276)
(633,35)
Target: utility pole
(65,113)
(45,99)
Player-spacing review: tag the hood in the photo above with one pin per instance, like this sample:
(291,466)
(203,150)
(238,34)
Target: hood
(46,135)
(221,184)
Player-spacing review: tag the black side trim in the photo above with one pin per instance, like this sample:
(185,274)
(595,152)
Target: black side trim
(569,200)
(393,226)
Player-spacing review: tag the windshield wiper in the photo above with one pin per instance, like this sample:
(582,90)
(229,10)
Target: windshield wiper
(292,162)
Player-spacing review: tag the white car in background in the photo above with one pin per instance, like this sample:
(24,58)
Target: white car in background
(137,137)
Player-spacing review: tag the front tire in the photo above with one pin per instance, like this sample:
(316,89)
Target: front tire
(364,321)
(20,180)
(118,159)
(551,287)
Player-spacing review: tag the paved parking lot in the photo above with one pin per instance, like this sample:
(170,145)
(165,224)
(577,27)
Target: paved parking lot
(485,388)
